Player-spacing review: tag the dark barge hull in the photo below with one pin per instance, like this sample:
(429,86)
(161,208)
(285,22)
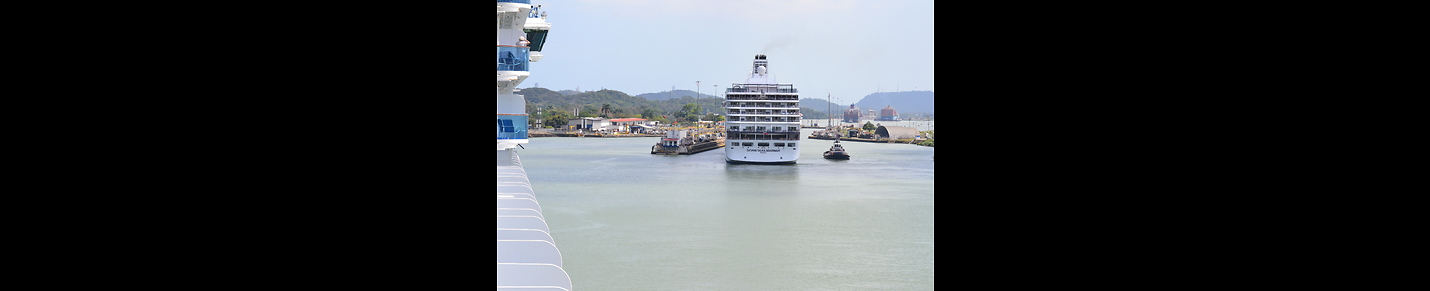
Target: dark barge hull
(688,150)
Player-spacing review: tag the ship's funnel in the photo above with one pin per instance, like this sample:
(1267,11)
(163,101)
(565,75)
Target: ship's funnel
(760,67)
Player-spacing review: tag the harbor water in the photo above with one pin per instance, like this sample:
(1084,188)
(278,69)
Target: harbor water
(625,219)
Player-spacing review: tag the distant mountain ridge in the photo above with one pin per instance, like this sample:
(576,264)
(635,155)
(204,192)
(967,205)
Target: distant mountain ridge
(667,95)
(668,102)
(906,101)
(621,104)
(819,105)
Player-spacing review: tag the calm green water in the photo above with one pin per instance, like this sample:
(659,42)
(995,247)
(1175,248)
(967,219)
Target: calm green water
(628,220)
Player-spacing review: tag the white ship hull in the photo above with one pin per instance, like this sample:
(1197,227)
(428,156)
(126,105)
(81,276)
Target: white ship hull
(763,119)
(760,155)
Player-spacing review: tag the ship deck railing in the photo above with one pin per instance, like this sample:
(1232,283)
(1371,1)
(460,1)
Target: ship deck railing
(527,256)
(762,98)
(767,119)
(759,138)
(763,106)
(773,88)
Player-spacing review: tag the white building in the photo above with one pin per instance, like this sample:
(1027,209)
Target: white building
(633,124)
(589,124)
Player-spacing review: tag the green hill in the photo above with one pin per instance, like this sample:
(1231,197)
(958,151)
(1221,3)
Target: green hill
(905,102)
(622,105)
(667,95)
(617,104)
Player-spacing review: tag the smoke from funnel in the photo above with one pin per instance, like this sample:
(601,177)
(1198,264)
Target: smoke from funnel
(778,43)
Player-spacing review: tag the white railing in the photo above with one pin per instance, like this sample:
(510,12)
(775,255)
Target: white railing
(527,257)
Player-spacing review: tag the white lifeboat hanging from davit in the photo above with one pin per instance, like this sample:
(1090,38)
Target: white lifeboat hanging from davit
(536,28)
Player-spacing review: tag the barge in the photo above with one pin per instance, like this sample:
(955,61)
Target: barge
(686,142)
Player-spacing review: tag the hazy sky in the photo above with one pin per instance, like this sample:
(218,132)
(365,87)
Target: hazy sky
(848,48)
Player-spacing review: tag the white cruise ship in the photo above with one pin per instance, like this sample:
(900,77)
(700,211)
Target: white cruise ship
(527,258)
(762,119)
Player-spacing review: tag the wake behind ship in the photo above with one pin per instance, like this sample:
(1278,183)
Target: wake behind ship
(764,119)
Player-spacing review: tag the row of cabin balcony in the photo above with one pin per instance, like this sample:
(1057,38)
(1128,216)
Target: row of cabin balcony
(515,1)
(762,129)
(761,112)
(759,136)
(767,91)
(739,105)
(761,144)
(513,58)
(763,97)
(746,88)
(511,127)
(761,119)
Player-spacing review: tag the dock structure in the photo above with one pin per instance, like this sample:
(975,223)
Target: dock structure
(884,134)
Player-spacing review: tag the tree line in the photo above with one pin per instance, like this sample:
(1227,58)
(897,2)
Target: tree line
(555,108)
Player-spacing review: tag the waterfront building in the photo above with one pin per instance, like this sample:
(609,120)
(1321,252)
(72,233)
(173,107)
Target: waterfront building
(625,124)
(589,124)
(896,132)
(762,119)
(527,258)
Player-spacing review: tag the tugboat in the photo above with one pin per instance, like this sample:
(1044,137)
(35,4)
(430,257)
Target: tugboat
(836,152)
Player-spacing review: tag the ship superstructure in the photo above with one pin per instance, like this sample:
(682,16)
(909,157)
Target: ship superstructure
(762,119)
(888,114)
(521,33)
(527,258)
(851,115)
